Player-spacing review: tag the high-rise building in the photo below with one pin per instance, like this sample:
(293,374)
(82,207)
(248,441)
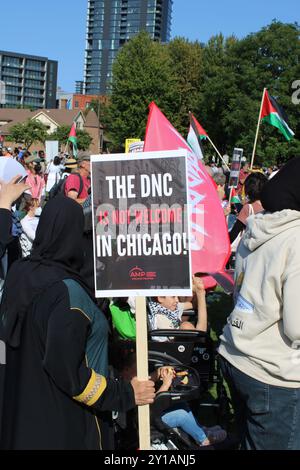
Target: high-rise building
(110,23)
(79,87)
(29,81)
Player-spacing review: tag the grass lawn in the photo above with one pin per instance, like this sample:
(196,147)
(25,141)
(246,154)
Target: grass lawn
(219,306)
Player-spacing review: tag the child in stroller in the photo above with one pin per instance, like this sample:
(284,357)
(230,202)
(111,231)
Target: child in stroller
(167,313)
(180,416)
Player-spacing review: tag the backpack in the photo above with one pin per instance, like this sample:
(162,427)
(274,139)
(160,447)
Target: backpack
(59,187)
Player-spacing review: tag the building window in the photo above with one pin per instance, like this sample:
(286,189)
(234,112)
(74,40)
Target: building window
(76,104)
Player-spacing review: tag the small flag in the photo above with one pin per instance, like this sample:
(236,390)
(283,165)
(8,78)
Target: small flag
(274,115)
(69,104)
(235,200)
(196,134)
(73,139)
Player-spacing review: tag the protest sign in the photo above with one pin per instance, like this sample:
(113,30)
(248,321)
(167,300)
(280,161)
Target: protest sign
(129,142)
(136,147)
(235,168)
(51,149)
(141,224)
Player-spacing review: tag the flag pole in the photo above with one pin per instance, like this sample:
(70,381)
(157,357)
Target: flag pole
(218,153)
(66,146)
(257,130)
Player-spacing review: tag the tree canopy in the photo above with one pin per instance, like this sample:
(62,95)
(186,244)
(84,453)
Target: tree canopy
(61,134)
(142,73)
(28,133)
(221,82)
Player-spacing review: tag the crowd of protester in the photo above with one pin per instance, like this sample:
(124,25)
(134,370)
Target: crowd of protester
(55,389)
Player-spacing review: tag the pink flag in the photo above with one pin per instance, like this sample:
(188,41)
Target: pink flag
(209,242)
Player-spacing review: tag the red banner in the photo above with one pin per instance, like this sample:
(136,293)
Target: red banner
(210,241)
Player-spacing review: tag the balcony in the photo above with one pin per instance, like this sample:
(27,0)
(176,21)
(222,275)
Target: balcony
(11,65)
(35,86)
(36,68)
(11,82)
(13,92)
(33,95)
(32,76)
(11,73)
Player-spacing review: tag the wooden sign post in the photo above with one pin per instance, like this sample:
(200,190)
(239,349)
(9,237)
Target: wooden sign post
(142,369)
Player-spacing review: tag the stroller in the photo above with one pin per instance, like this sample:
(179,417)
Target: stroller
(191,351)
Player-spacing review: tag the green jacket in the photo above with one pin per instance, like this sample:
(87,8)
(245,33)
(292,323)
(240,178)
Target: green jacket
(124,322)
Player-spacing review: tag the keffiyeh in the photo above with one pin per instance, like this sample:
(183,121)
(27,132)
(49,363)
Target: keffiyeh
(156,308)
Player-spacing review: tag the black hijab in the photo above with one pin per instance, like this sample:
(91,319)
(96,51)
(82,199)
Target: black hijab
(57,254)
(283,190)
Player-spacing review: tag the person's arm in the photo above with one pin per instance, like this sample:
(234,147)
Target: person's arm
(9,193)
(74,195)
(73,187)
(65,362)
(167,375)
(201,303)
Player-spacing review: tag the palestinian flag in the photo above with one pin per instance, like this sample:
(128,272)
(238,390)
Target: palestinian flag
(274,115)
(196,134)
(73,139)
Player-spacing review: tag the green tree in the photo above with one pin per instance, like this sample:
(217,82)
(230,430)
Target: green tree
(28,133)
(220,82)
(218,88)
(187,70)
(142,73)
(61,134)
(100,108)
(268,58)
(235,73)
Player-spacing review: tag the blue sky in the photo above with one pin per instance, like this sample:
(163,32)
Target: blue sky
(56,29)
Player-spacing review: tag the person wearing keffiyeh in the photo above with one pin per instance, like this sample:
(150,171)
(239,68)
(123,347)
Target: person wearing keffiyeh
(166,312)
(172,318)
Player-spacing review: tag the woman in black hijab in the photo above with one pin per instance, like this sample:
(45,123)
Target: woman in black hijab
(55,382)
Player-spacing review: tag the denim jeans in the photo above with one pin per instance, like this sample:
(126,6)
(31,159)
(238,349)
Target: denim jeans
(267,416)
(183,418)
